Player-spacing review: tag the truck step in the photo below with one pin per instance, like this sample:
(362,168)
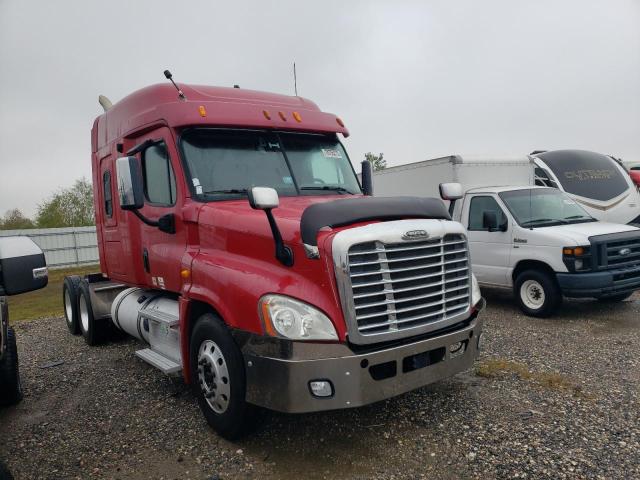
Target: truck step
(159,361)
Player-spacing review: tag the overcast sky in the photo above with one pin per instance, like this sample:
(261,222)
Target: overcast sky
(412,79)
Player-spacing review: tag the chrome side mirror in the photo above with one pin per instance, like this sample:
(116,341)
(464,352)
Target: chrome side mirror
(263,198)
(130,188)
(266,198)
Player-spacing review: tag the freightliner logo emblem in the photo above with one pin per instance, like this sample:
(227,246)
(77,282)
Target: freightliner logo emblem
(624,251)
(415,235)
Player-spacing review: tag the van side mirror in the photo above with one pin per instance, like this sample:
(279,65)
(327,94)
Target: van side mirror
(130,187)
(490,221)
(266,199)
(23,267)
(451,192)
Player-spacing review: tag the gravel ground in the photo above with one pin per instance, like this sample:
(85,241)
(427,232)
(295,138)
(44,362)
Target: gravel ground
(551,398)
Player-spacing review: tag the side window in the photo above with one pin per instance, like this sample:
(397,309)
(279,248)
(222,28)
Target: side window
(108,197)
(542,178)
(478,206)
(159,180)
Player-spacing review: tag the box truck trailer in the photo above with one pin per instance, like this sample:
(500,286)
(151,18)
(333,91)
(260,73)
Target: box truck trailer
(236,242)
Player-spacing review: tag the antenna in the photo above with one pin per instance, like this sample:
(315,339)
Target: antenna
(295,79)
(167,74)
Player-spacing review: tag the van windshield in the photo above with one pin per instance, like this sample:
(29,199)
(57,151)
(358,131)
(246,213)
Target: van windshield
(226,163)
(543,207)
(586,174)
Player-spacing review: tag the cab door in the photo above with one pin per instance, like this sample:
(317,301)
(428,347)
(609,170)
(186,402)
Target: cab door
(161,252)
(490,250)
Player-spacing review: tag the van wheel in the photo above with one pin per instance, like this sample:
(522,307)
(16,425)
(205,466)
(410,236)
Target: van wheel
(10,385)
(218,378)
(70,302)
(94,331)
(615,298)
(538,293)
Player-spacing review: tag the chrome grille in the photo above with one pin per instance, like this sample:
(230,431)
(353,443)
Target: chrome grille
(402,286)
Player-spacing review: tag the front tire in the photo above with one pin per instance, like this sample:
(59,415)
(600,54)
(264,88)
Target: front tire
(70,302)
(10,384)
(93,330)
(538,293)
(218,378)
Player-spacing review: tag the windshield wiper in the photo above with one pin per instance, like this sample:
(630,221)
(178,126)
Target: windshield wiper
(543,220)
(333,188)
(580,217)
(229,190)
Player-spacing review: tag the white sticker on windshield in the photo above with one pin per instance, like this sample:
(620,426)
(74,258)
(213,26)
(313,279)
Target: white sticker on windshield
(287,180)
(331,153)
(199,189)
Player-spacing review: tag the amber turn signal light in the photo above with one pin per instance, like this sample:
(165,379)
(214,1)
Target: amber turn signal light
(575,251)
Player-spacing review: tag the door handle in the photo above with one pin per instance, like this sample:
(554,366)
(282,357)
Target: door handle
(145,260)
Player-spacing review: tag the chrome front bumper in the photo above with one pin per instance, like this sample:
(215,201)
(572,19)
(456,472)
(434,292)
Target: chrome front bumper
(283,384)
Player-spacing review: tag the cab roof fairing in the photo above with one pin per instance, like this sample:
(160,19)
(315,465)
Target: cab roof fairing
(224,107)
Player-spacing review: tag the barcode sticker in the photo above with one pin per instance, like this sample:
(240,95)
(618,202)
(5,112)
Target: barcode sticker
(331,153)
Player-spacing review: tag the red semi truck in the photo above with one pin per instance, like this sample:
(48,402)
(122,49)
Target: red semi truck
(237,242)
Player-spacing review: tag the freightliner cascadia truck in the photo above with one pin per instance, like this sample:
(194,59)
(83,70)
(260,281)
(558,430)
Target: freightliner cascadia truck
(236,241)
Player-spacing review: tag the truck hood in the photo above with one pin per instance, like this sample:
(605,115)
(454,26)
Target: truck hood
(580,232)
(234,226)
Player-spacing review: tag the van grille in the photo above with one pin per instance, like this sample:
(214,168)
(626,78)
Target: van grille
(630,255)
(402,286)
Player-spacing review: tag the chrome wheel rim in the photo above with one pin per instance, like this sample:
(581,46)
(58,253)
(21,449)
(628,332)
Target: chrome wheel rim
(84,313)
(532,294)
(67,306)
(213,376)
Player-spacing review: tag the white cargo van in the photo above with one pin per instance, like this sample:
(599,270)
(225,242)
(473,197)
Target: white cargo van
(537,241)
(597,182)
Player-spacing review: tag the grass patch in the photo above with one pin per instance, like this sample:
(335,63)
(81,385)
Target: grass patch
(496,367)
(46,302)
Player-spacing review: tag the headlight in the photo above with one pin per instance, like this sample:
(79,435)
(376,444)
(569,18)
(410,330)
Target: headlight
(476,296)
(577,259)
(295,320)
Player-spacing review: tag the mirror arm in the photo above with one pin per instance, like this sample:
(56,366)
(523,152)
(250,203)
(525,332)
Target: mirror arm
(452,204)
(284,254)
(144,219)
(166,223)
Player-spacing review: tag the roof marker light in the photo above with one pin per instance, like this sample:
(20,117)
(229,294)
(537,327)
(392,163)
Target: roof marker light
(284,119)
(340,122)
(266,114)
(297,116)
(202,110)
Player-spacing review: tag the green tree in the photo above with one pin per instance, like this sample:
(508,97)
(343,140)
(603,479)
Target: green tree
(69,207)
(14,219)
(377,161)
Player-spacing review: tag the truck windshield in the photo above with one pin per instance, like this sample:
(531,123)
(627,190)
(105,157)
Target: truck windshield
(224,163)
(587,174)
(543,207)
